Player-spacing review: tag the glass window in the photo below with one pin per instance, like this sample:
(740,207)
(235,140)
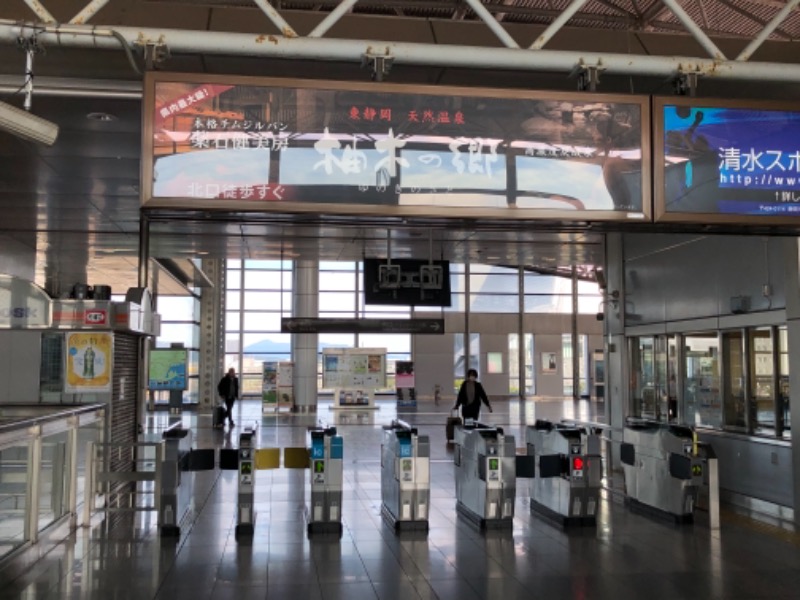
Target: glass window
(233,300)
(232,320)
(184,333)
(762,380)
(262,321)
(268,301)
(734,397)
(233,280)
(337,302)
(337,281)
(643,375)
(583,369)
(701,392)
(513,364)
(460,362)
(481,283)
(486,303)
(336,340)
(178,308)
(265,280)
(395,343)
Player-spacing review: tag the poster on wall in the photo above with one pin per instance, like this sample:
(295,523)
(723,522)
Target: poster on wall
(730,162)
(89,359)
(269,384)
(549,364)
(291,145)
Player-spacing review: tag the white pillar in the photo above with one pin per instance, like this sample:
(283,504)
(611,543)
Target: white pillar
(305,303)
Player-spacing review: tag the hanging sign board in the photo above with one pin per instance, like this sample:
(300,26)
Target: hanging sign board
(285,145)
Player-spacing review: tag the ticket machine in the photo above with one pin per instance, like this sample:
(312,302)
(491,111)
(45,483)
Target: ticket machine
(568,465)
(405,477)
(486,476)
(324,512)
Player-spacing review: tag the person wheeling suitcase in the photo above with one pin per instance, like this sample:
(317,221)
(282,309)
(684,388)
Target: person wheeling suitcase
(470,396)
(228,388)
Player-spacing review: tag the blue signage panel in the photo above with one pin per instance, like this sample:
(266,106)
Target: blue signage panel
(733,163)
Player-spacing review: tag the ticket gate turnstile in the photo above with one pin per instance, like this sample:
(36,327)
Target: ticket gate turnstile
(566,488)
(405,477)
(486,476)
(663,471)
(324,512)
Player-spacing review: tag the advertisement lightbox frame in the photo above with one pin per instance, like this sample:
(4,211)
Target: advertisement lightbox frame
(660,212)
(172,203)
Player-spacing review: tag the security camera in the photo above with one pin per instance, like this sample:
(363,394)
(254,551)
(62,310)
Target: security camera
(25,125)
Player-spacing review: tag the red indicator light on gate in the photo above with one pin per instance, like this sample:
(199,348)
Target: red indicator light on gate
(577,463)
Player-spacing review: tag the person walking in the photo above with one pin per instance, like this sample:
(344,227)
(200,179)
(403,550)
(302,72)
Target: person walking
(228,388)
(470,396)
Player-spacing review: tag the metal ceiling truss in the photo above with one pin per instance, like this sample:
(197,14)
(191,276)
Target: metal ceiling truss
(379,54)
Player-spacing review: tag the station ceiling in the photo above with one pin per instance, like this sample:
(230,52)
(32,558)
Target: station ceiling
(77,203)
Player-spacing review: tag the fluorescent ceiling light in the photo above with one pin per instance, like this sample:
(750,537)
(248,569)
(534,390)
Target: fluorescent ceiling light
(25,125)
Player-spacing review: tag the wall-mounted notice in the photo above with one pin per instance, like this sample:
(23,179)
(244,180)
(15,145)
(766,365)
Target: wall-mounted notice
(351,148)
(726,161)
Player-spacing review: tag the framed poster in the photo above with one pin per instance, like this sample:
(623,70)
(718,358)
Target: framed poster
(549,362)
(89,360)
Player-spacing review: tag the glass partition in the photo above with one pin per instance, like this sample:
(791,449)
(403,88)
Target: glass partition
(37,474)
(734,383)
(13,496)
(701,391)
(762,380)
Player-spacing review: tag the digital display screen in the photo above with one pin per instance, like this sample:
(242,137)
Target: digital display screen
(727,161)
(319,466)
(494,464)
(275,142)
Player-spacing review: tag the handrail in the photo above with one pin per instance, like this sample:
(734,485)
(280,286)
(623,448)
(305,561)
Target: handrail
(64,412)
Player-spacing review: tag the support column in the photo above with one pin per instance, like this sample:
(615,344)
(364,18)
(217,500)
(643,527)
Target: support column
(212,310)
(305,303)
(616,364)
(792,285)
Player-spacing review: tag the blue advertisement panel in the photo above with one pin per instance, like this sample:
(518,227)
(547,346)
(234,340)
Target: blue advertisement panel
(300,146)
(727,162)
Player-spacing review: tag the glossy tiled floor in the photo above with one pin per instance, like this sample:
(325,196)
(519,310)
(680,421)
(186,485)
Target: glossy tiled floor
(627,556)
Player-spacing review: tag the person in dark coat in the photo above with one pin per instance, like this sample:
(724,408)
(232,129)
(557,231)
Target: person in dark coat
(228,388)
(470,397)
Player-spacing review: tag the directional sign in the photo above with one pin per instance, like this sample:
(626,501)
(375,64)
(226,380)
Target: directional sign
(310,325)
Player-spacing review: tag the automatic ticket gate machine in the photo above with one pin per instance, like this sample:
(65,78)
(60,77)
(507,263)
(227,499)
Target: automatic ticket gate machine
(568,465)
(405,477)
(324,512)
(486,476)
(663,470)
(245,515)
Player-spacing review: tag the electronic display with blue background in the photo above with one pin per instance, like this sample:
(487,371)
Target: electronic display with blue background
(731,161)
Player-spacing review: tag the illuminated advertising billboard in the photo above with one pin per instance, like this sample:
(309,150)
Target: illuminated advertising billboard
(720,162)
(245,144)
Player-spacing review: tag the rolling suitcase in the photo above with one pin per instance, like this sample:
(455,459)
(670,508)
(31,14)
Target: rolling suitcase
(450,428)
(218,418)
